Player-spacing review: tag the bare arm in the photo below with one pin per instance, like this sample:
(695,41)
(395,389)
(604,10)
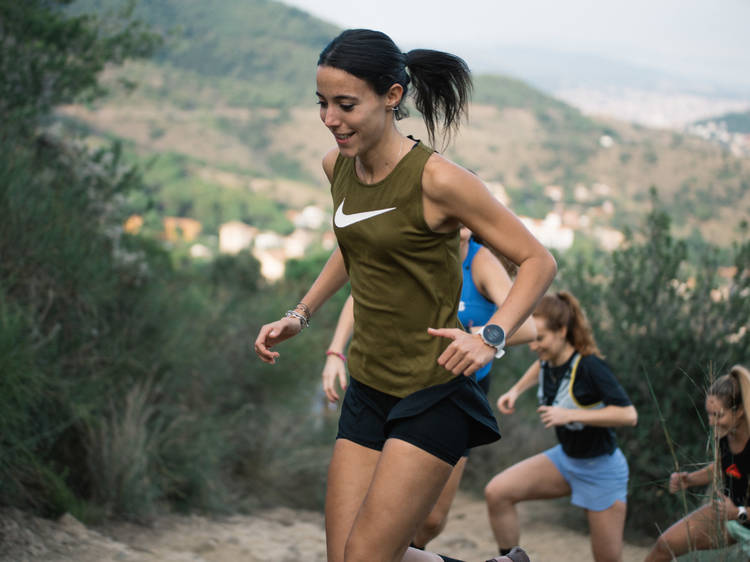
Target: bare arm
(332,277)
(334,368)
(507,402)
(609,416)
(494,284)
(452,195)
(682,480)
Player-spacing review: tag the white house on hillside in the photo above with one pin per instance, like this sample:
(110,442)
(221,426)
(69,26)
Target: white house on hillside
(235,236)
(550,231)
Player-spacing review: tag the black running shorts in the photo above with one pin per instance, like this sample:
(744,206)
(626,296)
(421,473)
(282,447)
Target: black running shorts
(445,420)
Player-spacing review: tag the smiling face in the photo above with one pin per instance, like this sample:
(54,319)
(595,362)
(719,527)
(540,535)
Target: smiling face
(550,345)
(722,418)
(352,111)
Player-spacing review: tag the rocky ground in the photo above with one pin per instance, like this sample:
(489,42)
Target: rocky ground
(278,535)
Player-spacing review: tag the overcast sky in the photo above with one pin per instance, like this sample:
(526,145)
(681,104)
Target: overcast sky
(697,38)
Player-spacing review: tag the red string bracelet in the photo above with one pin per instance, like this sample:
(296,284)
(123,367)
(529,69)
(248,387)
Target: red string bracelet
(337,354)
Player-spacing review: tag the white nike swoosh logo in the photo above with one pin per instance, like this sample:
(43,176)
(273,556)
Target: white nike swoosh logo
(342,220)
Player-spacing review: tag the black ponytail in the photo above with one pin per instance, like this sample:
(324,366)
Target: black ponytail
(442,87)
(442,82)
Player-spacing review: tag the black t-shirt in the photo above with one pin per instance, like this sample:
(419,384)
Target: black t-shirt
(735,469)
(594,382)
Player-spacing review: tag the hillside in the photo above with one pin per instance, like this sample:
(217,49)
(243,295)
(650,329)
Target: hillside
(735,122)
(224,107)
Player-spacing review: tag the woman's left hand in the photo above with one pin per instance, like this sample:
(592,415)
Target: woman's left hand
(465,354)
(554,415)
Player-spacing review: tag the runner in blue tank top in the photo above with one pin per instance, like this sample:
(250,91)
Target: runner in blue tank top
(474,309)
(486,282)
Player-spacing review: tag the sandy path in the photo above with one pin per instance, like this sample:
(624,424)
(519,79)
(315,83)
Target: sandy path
(278,535)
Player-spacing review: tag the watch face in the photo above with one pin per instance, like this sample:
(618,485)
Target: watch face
(493,334)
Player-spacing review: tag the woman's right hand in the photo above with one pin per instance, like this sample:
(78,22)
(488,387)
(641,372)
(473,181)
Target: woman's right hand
(507,402)
(333,370)
(678,481)
(273,333)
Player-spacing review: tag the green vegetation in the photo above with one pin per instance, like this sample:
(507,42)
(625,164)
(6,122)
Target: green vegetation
(127,381)
(229,78)
(128,377)
(736,122)
(667,324)
(177,191)
(268,46)
(554,115)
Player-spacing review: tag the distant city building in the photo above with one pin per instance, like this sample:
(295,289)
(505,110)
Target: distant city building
(310,217)
(235,236)
(272,263)
(297,242)
(498,190)
(554,192)
(581,193)
(717,131)
(201,251)
(608,238)
(608,208)
(601,189)
(133,224)
(268,240)
(605,141)
(550,231)
(181,228)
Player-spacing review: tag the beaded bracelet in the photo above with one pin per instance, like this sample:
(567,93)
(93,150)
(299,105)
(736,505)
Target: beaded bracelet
(337,354)
(303,322)
(305,309)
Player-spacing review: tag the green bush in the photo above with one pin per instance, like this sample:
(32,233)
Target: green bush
(657,317)
(666,332)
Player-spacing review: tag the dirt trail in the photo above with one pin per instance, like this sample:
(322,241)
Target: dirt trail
(275,535)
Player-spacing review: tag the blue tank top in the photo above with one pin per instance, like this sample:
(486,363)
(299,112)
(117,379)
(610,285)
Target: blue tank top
(474,309)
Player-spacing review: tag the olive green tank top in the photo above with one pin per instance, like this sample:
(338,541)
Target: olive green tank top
(405,278)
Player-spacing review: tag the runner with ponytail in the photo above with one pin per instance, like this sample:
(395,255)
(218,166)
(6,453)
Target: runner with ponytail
(412,406)
(714,524)
(581,398)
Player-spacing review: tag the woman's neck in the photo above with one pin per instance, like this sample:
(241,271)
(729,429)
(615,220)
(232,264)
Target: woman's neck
(377,163)
(738,438)
(565,354)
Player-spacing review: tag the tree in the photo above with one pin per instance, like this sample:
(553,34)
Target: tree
(48,58)
(667,324)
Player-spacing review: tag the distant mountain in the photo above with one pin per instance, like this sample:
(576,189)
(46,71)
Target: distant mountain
(226,121)
(736,122)
(554,70)
(266,44)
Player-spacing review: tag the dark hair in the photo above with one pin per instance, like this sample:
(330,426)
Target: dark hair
(442,82)
(562,310)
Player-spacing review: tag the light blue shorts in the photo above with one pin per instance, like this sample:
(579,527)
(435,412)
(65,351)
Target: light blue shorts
(596,483)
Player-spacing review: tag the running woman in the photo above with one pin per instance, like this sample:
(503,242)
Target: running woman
(411,408)
(727,402)
(581,398)
(486,283)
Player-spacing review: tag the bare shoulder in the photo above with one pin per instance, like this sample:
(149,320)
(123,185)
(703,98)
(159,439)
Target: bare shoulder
(329,161)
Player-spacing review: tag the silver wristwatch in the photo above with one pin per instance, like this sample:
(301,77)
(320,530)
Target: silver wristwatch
(494,335)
